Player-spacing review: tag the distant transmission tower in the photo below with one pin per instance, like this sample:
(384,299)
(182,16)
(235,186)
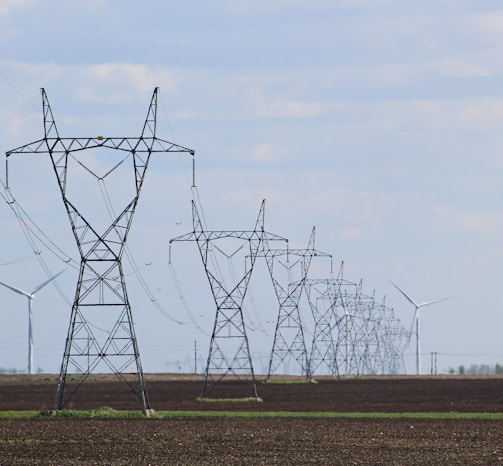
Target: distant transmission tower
(393,336)
(326,298)
(101,294)
(322,297)
(370,339)
(289,340)
(229,352)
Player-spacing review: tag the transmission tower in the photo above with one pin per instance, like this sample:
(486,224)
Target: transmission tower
(365,331)
(289,341)
(393,337)
(322,297)
(101,287)
(371,339)
(327,299)
(229,352)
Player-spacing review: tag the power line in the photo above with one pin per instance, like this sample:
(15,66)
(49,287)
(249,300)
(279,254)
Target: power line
(18,92)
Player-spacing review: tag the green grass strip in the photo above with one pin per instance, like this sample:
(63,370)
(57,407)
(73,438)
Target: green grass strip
(327,415)
(18,414)
(109,413)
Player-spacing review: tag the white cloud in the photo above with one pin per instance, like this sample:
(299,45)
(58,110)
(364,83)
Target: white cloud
(140,76)
(459,68)
(7,6)
(38,71)
(352,233)
(487,25)
(290,109)
(477,225)
(266,152)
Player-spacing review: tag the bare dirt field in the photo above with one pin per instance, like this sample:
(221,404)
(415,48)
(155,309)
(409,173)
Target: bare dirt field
(268,441)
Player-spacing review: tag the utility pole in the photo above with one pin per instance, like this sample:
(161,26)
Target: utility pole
(195,357)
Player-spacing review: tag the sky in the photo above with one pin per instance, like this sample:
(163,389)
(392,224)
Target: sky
(376,121)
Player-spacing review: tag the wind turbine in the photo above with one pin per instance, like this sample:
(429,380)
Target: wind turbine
(415,320)
(30,297)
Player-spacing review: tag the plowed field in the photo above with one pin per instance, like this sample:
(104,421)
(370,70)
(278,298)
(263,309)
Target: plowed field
(278,441)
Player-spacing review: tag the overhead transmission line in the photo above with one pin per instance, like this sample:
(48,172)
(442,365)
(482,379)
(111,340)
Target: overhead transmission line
(31,232)
(211,248)
(136,270)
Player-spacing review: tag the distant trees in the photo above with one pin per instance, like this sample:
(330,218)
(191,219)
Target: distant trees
(477,369)
(10,370)
(14,370)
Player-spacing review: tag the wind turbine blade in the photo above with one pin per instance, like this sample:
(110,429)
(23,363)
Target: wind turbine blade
(427,303)
(405,294)
(16,290)
(39,287)
(412,328)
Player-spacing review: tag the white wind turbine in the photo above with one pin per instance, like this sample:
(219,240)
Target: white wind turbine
(415,320)
(30,297)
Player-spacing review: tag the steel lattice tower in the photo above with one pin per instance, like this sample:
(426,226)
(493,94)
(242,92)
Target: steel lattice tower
(322,297)
(345,323)
(332,303)
(369,337)
(229,352)
(326,299)
(349,323)
(289,341)
(101,286)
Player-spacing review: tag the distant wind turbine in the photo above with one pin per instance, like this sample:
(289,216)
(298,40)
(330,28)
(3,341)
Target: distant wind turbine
(30,297)
(415,320)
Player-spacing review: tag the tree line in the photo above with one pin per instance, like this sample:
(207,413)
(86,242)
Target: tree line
(477,369)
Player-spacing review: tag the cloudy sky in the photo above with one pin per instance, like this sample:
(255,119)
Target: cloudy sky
(377,121)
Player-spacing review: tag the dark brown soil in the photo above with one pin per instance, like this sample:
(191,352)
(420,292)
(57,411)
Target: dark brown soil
(271,441)
(386,394)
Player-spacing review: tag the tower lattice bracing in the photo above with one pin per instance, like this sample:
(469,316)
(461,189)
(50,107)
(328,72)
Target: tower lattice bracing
(338,330)
(289,343)
(393,337)
(369,339)
(101,334)
(345,324)
(229,352)
(328,306)
(322,297)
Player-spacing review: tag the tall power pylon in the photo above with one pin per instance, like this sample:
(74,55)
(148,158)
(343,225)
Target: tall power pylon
(101,296)
(369,339)
(289,340)
(229,352)
(327,299)
(322,296)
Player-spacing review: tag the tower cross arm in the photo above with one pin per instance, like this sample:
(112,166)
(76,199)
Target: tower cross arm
(31,148)
(300,252)
(186,237)
(165,146)
(133,144)
(273,237)
(214,235)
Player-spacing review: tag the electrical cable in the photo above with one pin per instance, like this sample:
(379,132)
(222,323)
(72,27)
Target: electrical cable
(182,298)
(132,261)
(21,215)
(18,92)
(30,234)
(180,156)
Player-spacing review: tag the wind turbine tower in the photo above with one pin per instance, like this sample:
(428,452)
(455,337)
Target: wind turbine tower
(415,321)
(30,297)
